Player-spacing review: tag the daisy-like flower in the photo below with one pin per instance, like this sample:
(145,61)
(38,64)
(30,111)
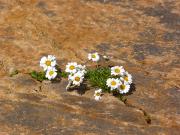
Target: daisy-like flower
(71,67)
(124,88)
(77,78)
(117,70)
(48,62)
(127,78)
(113,83)
(81,68)
(94,57)
(51,73)
(70,77)
(98,94)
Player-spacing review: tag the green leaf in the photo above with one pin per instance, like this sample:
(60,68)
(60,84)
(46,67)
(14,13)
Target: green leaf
(63,74)
(97,77)
(39,76)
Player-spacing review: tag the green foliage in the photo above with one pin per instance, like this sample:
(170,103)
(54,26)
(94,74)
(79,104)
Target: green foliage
(63,74)
(39,76)
(98,77)
(95,77)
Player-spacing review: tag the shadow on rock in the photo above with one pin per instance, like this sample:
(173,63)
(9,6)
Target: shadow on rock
(132,89)
(81,89)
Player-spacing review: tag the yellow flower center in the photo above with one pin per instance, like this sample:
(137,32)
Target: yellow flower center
(98,94)
(113,83)
(117,70)
(93,56)
(77,79)
(51,73)
(48,63)
(122,87)
(72,67)
(126,78)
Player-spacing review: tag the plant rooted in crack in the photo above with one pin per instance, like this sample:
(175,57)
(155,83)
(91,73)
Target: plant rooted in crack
(39,76)
(112,80)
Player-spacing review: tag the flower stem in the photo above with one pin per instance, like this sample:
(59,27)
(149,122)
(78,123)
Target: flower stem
(69,85)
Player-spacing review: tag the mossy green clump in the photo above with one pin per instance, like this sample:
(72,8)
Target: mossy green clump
(39,76)
(98,77)
(63,74)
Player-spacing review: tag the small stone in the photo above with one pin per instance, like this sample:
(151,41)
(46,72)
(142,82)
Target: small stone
(13,71)
(106,57)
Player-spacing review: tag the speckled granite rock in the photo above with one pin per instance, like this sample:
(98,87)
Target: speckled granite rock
(141,35)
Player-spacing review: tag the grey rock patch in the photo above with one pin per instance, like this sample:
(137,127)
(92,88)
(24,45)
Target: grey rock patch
(174,36)
(41,5)
(165,14)
(50,13)
(103,47)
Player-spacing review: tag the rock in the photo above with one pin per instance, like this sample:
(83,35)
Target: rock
(140,35)
(13,71)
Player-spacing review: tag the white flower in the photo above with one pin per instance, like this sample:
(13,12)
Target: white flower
(94,56)
(83,72)
(124,88)
(51,73)
(117,70)
(113,83)
(81,68)
(71,67)
(77,78)
(127,78)
(48,62)
(97,94)
(70,77)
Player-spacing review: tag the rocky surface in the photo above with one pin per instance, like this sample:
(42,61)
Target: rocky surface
(141,35)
